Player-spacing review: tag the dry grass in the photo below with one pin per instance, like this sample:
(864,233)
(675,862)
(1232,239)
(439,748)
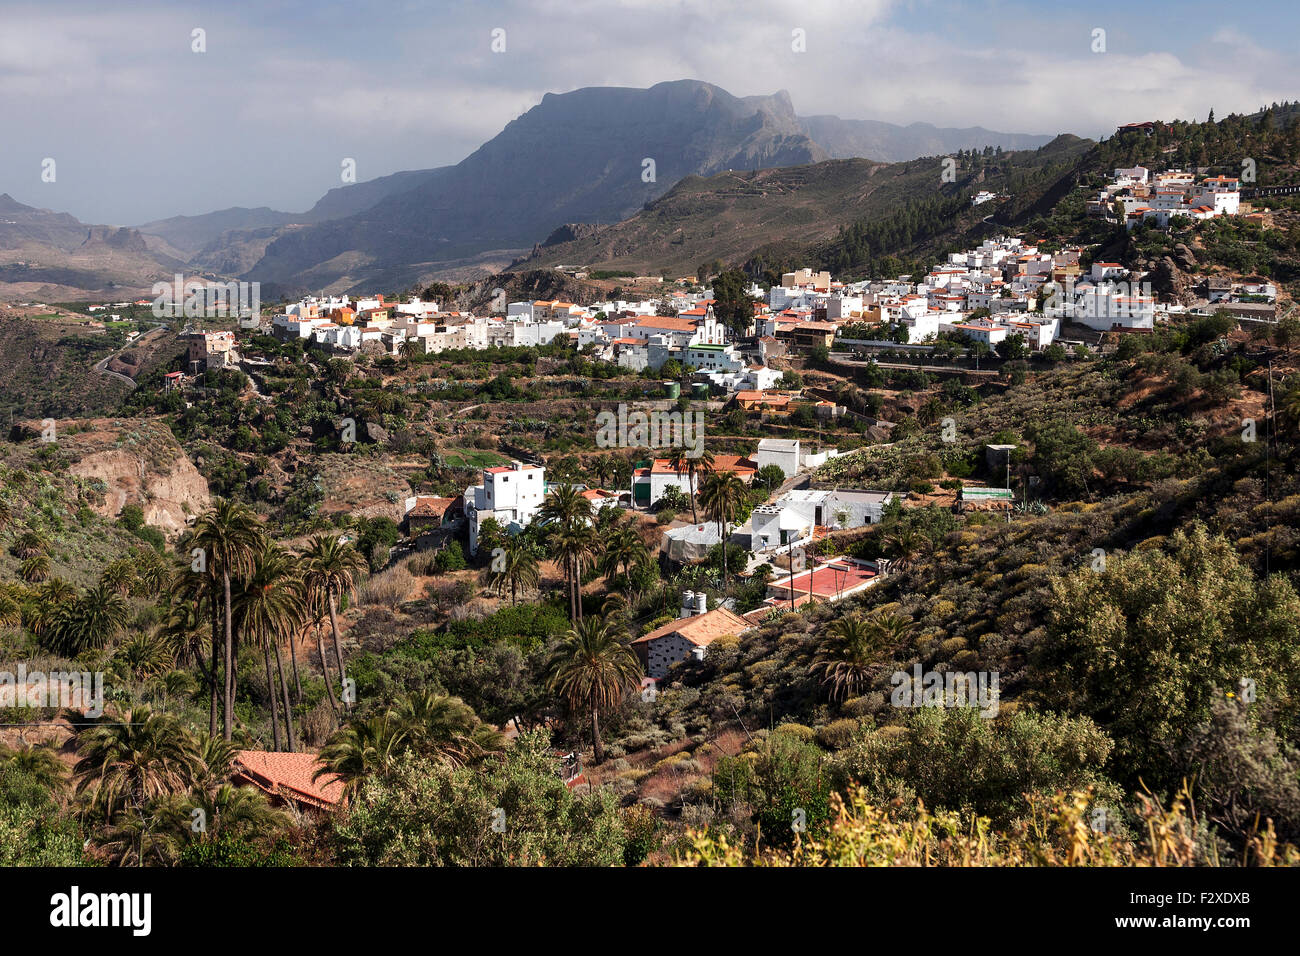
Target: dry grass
(387,588)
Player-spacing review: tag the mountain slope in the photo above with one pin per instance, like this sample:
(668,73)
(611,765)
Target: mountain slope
(189,234)
(52,255)
(793,212)
(889,143)
(579,156)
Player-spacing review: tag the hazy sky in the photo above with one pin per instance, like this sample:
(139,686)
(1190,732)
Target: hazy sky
(141,127)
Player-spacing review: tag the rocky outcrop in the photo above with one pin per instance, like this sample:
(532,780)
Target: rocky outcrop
(1169,282)
(571,231)
(130,461)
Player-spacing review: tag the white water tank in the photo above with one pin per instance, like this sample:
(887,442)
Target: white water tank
(701,602)
(688,603)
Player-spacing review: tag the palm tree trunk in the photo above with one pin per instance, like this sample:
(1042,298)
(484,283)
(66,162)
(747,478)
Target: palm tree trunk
(338,646)
(573,604)
(216,653)
(229,724)
(284,695)
(690,481)
(270,689)
(325,670)
(722,541)
(293,661)
(597,747)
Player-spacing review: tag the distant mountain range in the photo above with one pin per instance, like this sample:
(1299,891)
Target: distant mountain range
(793,215)
(595,155)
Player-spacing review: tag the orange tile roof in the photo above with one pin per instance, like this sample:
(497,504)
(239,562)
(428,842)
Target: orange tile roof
(701,630)
(733,463)
(289,776)
(673,323)
(430,506)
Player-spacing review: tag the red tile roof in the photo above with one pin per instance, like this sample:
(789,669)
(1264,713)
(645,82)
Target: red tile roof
(289,777)
(430,506)
(672,323)
(701,630)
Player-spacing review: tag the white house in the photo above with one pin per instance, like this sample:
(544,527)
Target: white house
(792,517)
(686,638)
(782,452)
(513,494)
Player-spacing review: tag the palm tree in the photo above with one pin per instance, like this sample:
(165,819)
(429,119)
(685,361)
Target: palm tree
(29,544)
(195,596)
(214,763)
(856,649)
(623,548)
(721,495)
(269,609)
(362,748)
(518,568)
(120,575)
(681,460)
(230,535)
(151,572)
(145,656)
(332,569)
(592,669)
(573,543)
(11,607)
(570,515)
(41,605)
(127,763)
(905,545)
(91,620)
(35,569)
(446,728)
(602,469)
(40,763)
(228,809)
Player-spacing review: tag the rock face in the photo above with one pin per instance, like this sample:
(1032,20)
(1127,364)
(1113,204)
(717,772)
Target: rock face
(1169,282)
(124,239)
(168,499)
(136,462)
(569,232)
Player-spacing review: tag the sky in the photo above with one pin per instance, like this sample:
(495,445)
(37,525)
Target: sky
(141,125)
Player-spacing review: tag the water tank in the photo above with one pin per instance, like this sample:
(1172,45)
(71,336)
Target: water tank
(673,389)
(701,602)
(688,603)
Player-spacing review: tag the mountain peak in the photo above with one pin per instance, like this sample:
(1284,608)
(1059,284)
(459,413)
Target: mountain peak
(9,204)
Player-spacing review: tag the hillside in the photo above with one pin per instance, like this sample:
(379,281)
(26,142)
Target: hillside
(772,216)
(888,143)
